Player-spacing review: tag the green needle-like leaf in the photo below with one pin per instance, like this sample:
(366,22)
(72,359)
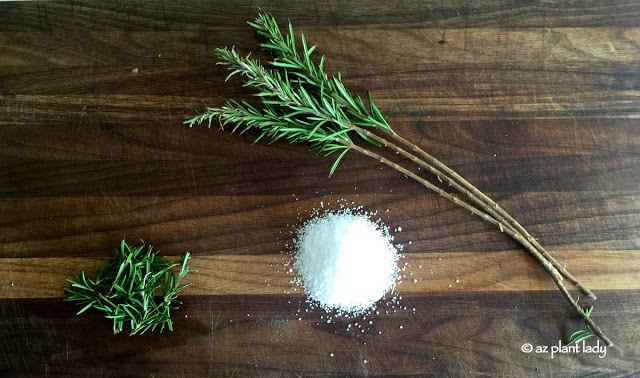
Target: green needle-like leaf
(582,334)
(310,108)
(125,286)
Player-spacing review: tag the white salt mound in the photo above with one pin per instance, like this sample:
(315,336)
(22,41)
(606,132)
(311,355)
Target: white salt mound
(345,262)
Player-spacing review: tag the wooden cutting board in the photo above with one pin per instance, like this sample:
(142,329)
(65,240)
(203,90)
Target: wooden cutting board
(536,103)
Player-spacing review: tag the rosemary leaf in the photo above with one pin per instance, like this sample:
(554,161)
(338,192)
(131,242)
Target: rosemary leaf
(124,289)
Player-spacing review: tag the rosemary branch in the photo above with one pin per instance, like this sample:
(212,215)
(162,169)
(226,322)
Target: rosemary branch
(302,104)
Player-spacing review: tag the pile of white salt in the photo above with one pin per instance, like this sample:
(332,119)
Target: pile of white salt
(345,262)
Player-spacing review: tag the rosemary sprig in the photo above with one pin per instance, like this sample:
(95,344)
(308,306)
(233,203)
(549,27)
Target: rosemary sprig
(303,104)
(124,289)
(582,334)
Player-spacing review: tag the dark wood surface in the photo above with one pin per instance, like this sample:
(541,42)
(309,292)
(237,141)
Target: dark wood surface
(535,102)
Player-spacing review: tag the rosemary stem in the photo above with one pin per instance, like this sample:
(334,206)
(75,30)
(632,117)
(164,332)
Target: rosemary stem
(492,205)
(548,266)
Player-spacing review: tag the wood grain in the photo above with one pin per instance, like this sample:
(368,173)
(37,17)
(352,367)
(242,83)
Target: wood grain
(258,225)
(534,102)
(256,335)
(268,275)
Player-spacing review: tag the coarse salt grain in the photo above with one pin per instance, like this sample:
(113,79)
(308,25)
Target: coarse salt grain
(345,262)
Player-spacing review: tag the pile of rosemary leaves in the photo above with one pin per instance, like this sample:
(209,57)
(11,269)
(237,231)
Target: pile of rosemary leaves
(301,103)
(124,289)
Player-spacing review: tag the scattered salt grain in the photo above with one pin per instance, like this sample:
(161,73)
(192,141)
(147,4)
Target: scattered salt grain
(345,262)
